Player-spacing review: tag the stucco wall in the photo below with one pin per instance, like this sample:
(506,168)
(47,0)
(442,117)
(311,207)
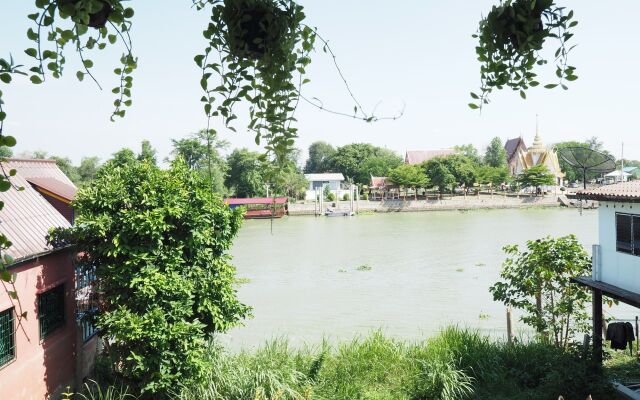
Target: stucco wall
(41,368)
(619,269)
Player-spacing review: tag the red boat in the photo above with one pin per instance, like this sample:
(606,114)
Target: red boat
(262,207)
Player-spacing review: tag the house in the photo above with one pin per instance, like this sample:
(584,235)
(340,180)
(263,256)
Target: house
(318,182)
(616,259)
(420,156)
(381,188)
(521,158)
(43,348)
(616,177)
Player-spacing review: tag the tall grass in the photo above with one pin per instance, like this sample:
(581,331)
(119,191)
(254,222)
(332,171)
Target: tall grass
(457,364)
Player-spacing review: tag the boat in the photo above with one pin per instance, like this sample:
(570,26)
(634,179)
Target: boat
(333,213)
(260,208)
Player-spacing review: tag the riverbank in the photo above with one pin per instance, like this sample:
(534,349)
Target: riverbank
(456,203)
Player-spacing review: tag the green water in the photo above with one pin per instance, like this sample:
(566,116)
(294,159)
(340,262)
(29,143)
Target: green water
(427,270)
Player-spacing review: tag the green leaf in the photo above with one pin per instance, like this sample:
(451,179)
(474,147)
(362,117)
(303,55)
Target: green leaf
(523,94)
(35,79)
(6,78)
(551,86)
(80,75)
(112,39)
(87,63)
(31,52)
(473,106)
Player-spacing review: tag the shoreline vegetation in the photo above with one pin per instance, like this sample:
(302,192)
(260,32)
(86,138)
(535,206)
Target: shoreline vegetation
(453,365)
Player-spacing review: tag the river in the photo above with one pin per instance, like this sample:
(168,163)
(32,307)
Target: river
(409,274)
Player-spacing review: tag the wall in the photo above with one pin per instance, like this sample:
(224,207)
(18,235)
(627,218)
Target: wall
(619,269)
(41,368)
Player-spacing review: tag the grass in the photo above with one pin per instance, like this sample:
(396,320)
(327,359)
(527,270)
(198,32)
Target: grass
(363,267)
(456,364)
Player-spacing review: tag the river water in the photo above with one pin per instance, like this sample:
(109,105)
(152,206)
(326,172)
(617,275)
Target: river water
(409,274)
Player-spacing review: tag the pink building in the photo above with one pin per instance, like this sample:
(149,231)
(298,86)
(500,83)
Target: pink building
(44,346)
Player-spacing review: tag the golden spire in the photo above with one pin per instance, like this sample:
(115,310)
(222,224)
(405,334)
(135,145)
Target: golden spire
(538,146)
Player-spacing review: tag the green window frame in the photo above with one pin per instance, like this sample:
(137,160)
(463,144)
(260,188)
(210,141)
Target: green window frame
(7,337)
(51,311)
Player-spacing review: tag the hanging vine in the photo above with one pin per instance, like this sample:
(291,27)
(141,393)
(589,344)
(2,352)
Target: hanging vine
(510,40)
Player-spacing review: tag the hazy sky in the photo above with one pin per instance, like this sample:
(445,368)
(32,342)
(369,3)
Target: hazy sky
(414,52)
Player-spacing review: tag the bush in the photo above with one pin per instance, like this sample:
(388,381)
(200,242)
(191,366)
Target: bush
(331,196)
(345,197)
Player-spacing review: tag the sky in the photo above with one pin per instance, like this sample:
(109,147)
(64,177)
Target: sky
(412,54)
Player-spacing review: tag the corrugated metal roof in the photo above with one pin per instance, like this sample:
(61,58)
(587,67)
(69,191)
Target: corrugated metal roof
(256,200)
(27,216)
(625,191)
(54,186)
(324,177)
(420,156)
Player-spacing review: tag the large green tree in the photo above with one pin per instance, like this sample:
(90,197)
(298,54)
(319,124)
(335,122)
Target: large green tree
(246,175)
(494,176)
(536,176)
(158,240)
(495,155)
(201,152)
(537,280)
(470,151)
(409,176)
(88,169)
(66,166)
(320,154)
(439,175)
(351,161)
(147,153)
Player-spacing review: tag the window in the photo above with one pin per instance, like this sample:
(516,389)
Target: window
(7,337)
(51,311)
(628,233)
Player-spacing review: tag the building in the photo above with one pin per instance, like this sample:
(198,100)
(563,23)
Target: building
(43,348)
(318,182)
(520,157)
(633,171)
(616,259)
(420,156)
(617,176)
(381,188)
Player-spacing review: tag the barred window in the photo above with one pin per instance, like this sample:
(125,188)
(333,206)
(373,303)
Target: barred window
(51,311)
(7,337)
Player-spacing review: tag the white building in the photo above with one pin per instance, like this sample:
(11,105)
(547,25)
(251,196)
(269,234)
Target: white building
(318,182)
(616,177)
(616,259)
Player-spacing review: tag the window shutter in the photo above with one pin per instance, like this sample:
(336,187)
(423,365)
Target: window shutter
(624,242)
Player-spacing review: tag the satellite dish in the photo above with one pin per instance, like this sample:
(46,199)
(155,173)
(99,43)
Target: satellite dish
(588,160)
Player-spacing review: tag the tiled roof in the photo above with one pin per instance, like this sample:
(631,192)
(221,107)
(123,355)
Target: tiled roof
(420,156)
(324,177)
(512,145)
(27,216)
(625,191)
(378,182)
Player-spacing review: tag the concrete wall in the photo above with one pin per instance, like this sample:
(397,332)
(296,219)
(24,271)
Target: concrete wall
(616,268)
(40,368)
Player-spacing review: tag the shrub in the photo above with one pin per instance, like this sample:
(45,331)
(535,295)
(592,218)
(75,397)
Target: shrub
(331,196)
(345,197)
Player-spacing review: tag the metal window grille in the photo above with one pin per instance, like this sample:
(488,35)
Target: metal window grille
(7,337)
(51,311)
(86,321)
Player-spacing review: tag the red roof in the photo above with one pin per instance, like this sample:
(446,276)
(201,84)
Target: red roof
(27,216)
(256,200)
(625,191)
(54,186)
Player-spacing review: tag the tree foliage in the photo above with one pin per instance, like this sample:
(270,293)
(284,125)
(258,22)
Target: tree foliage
(158,240)
(320,154)
(409,176)
(246,176)
(536,280)
(439,174)
(536,176)
(470,151)
(352,161)
(495,155)
(201,152)
(494,176)
(147,153)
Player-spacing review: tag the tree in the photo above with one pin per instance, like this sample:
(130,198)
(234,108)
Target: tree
(379,165)
(439,175)
(351,160)
(536,176)
(88,169)
(537,281)
(6,152)
(462,168)
(572,173)
(164,276)
(320,154)
(292,184)
(245,177)
(409,176)
(494,176)
(496,155)
(469,151)
(201,153)
(122,157)
(147,153)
